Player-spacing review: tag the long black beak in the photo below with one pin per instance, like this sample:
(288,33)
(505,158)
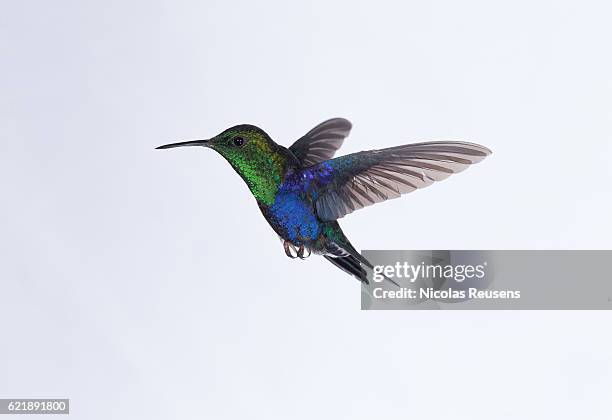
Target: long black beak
(202,143)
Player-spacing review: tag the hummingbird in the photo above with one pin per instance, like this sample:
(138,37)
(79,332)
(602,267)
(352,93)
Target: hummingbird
(303,190)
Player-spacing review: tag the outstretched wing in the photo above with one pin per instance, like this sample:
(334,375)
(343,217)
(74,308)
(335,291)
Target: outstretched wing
(354,181)
(321,142)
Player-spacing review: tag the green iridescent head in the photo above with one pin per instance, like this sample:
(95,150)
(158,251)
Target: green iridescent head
(252,153)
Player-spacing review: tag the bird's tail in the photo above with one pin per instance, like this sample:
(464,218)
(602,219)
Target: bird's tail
(343,255)
(349,265)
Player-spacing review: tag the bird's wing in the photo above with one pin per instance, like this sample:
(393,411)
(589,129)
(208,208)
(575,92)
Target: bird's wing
(347,183)
(321,142)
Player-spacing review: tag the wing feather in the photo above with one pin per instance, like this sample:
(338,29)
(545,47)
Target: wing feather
(322,142)
(354,181)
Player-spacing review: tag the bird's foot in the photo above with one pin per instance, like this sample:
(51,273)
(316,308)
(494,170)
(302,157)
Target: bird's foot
(290,250)
(303,252)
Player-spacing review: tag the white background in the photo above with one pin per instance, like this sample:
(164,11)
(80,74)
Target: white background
(145,284)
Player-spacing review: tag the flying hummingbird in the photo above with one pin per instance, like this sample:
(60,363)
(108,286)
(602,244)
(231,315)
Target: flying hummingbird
(302,191)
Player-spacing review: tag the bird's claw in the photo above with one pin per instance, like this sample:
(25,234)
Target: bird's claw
(301,250)
(296,252)
(290,250)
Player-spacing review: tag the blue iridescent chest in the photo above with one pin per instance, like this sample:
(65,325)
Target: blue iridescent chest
(293,211)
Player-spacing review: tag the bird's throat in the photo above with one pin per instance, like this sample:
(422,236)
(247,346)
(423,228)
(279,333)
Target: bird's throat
(263,174)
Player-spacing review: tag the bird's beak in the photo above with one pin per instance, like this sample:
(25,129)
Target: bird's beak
(203,143)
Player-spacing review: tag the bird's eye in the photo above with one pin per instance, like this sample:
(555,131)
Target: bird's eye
(238,141)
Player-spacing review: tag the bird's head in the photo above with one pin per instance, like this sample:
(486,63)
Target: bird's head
(237,144)
(252,153)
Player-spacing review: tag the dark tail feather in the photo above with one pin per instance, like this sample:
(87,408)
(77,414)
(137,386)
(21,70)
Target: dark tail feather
(368,264)
(344,256)
(349,265)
